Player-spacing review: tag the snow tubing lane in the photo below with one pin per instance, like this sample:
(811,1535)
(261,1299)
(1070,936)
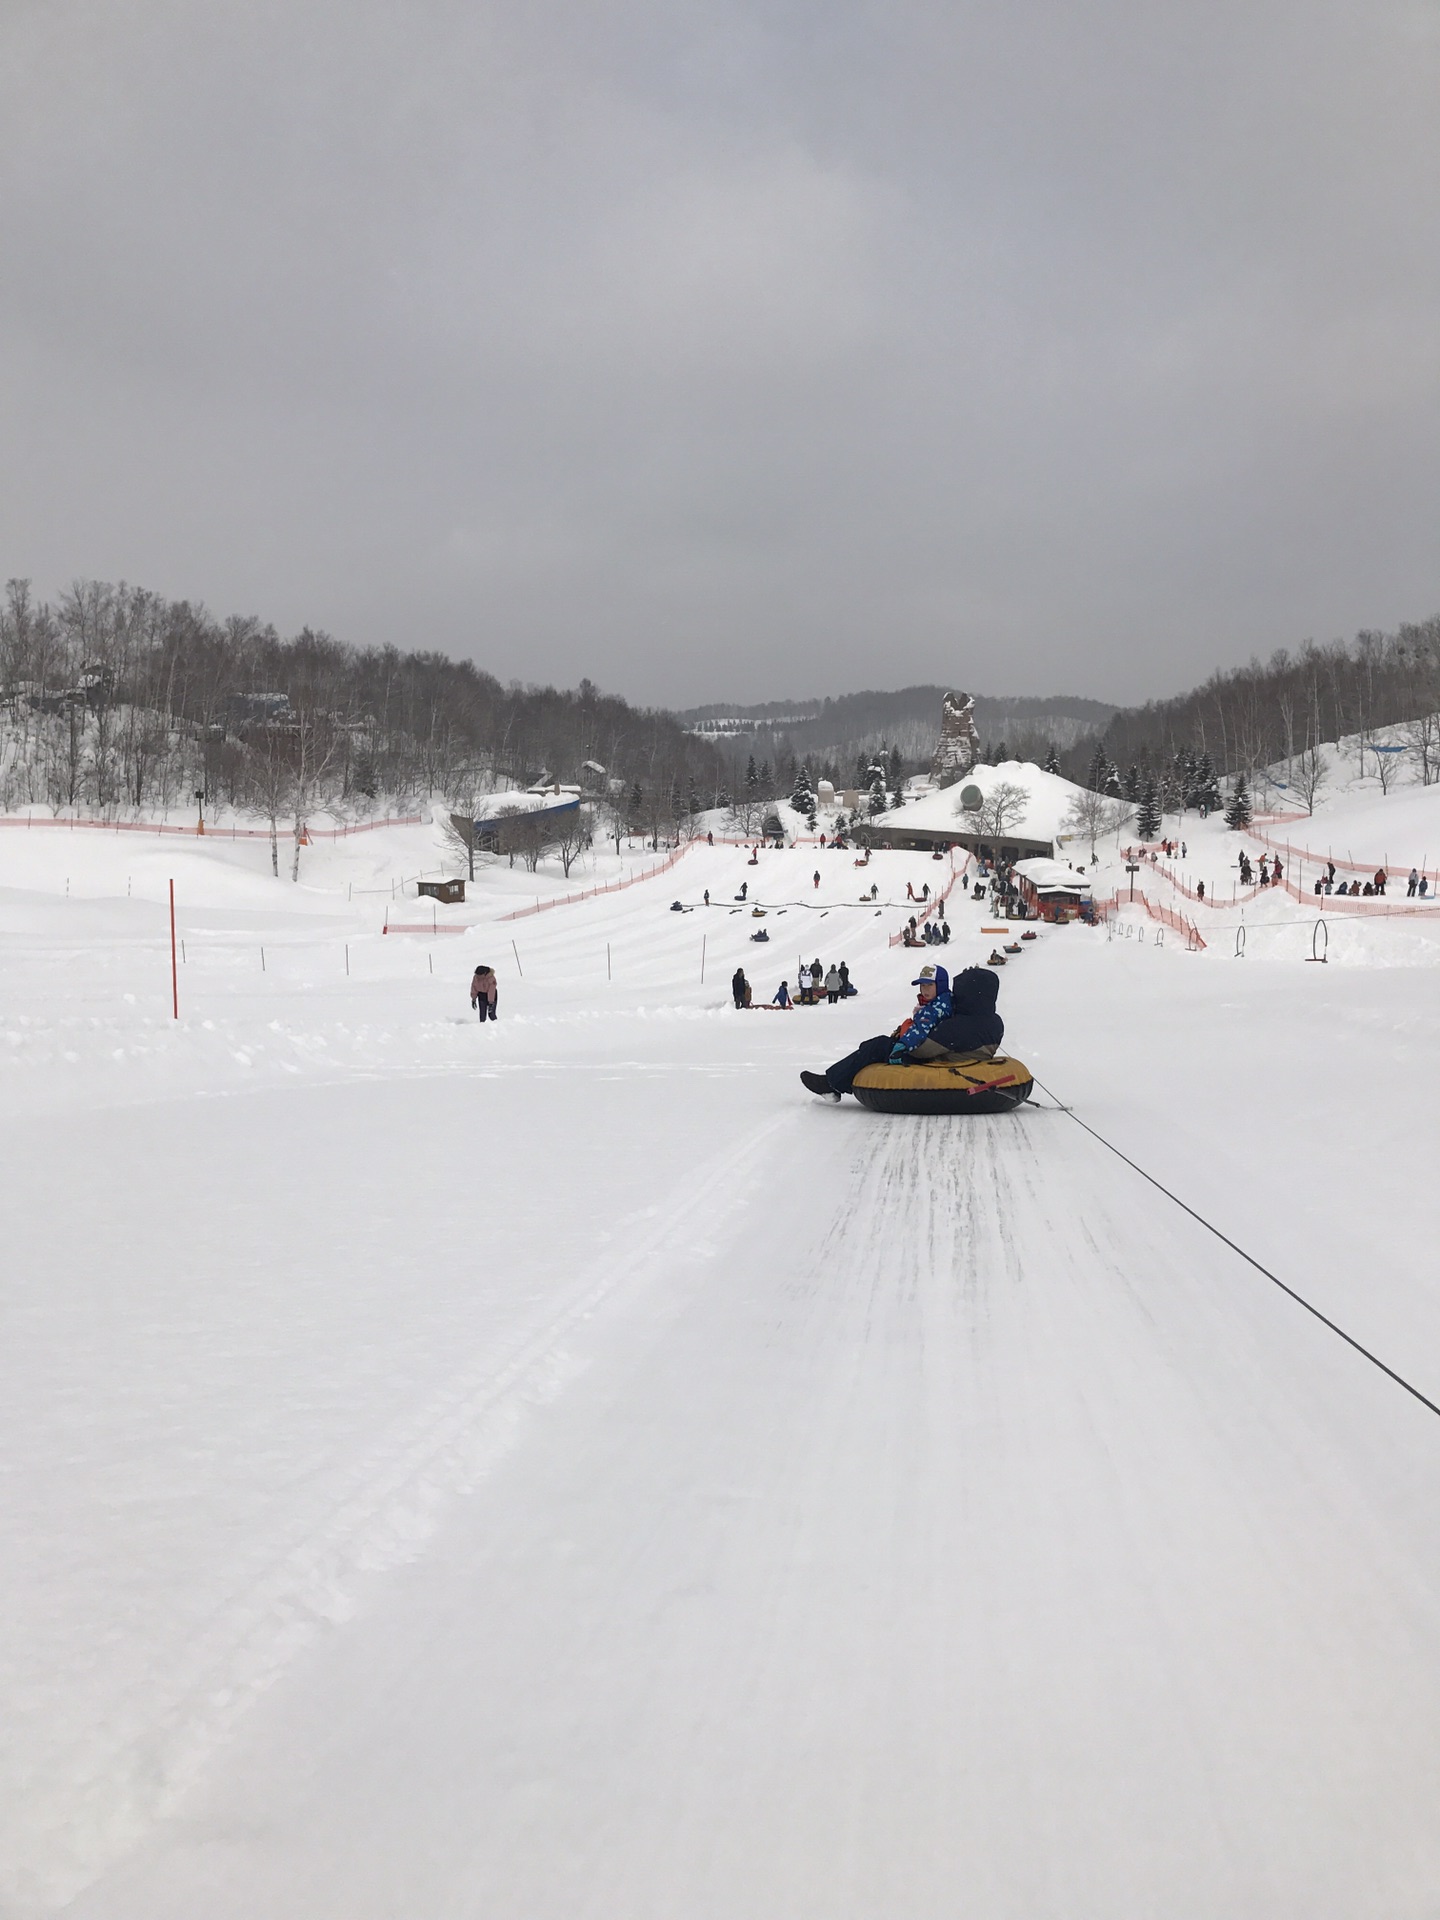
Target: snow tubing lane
(976,1086)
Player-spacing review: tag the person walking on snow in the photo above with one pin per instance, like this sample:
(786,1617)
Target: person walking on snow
(833,984)
(484,992)
(1413,884)
(739,986)
(958,1019)
(817,876)
(803,984)
(782,998)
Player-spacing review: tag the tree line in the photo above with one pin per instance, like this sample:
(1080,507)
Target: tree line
(115,698)
(1244,721)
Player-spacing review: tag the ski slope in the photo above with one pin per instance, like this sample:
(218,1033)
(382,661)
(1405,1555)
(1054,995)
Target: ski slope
(561,1469)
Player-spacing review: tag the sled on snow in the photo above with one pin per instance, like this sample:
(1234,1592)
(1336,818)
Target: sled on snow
(958,1083)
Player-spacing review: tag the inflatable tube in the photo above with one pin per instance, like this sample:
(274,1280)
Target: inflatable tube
(945,1086)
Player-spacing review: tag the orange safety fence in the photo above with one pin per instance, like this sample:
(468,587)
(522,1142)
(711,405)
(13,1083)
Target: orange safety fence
(1367,868)
(1165,915)
(612,886)
(1379,905)
(938,899)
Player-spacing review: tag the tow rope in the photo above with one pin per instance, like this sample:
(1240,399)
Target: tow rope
(1249,1258)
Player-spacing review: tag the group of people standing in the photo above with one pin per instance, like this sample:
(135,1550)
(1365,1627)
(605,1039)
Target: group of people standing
(934,933)
(1369,889)
(814,983)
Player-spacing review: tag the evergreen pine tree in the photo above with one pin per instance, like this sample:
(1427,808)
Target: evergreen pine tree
(1237,814)
(1131,787)
(875,781)
(766,787)
(752,778)
(1147,819)
(1003,752)
(803,798)
(637,801)
(1186,778)
(1112,780)
(1095,774)
(897,768)
(1052,760)
(1207,787)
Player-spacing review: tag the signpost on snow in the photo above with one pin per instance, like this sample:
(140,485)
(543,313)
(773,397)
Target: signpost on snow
(174,969)
(1132,867)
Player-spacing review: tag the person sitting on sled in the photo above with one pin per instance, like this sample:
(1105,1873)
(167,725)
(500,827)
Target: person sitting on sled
(947,1020)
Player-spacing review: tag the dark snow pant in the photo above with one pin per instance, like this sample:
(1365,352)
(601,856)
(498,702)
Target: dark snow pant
(869,1053)
(961,1033)
(487,1008)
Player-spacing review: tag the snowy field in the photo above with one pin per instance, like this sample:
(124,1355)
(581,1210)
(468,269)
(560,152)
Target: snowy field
(562,1470)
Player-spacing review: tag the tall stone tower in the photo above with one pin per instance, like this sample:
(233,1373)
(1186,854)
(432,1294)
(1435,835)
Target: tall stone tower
(959,745)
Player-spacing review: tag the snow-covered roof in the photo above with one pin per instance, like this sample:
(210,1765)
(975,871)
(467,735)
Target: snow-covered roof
(1052,876)
(1048,801)
(492,808)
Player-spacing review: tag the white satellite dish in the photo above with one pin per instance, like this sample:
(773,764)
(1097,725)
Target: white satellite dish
(971,798)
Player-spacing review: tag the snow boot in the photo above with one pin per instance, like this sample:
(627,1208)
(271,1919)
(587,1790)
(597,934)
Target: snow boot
(817,1083)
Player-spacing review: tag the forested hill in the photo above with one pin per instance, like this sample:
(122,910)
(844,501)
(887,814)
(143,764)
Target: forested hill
(114,697)
(1252,717)
(843,727)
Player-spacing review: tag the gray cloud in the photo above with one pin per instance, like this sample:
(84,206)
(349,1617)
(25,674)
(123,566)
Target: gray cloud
(711,349)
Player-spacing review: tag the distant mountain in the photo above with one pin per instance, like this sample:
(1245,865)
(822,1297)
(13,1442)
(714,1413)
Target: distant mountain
(839,730)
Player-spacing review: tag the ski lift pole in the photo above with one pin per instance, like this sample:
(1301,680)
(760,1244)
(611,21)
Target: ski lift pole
(174,969)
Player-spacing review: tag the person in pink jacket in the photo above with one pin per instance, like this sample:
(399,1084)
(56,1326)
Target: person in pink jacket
(484,992)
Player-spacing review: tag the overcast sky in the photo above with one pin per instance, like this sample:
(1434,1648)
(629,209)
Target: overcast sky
(732,351)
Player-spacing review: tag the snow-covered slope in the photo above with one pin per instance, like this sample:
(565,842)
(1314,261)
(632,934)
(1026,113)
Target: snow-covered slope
(561,1469)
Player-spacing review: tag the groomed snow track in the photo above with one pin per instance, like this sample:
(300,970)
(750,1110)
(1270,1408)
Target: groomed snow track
(578,1475)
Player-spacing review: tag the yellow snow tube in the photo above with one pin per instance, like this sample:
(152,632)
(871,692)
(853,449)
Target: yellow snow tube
(945,1086)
